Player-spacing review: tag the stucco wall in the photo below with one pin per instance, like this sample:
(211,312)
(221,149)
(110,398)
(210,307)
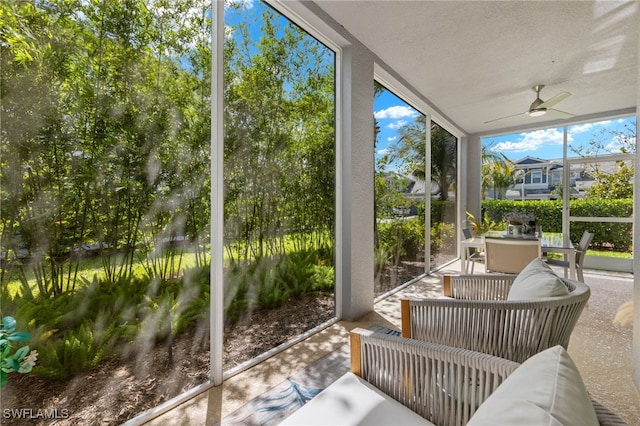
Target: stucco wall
(357,184)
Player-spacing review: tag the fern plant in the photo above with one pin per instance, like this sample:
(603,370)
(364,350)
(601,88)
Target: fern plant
(78,350)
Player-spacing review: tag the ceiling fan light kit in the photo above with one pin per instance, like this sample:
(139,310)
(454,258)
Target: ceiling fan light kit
(539,107)
(537,112)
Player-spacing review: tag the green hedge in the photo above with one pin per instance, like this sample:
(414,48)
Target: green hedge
(612,236)
(443,211)
(402,238)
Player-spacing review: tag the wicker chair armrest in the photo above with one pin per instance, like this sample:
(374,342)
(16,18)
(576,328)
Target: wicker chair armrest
(514,330)
(444,385)
(477,287)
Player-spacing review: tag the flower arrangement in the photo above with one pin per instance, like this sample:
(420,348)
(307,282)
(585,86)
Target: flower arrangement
(517,217)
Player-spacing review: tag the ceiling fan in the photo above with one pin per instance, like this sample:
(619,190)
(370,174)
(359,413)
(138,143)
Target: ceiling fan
(539,107)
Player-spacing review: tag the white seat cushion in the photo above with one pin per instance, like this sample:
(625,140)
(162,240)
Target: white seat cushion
(545,390)
(350,400)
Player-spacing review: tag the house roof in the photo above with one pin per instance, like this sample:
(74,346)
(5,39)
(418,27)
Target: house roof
(531,160)
(475,61)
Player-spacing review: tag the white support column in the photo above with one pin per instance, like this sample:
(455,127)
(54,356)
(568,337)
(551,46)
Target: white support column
(427,194)
(462,185)
(356,185)
(566,189)
(472,176)
(216,305)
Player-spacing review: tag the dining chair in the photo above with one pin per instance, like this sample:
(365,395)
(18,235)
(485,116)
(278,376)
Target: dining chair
(473,255)
(510,255)
(581,251)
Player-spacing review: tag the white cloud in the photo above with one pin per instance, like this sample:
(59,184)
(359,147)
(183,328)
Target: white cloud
(392,138)
(616,144)
(383,151)
(581,128)
(396,112)
(398,124)
(584,128)
(531,141)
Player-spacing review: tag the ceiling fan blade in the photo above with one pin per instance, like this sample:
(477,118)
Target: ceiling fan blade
(558,113)
(557,98)
(502,118)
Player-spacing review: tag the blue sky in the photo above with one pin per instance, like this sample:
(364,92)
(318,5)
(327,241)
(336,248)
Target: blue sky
(547,143)
(392,113)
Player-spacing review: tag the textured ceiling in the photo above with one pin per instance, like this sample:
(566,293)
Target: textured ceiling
(477,60)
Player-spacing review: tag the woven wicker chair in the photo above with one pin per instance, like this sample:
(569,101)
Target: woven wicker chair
(478,317)
(418,375)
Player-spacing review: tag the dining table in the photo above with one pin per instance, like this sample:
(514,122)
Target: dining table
(550,243)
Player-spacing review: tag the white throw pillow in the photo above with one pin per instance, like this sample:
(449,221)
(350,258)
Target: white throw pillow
(545,390)
(535,281)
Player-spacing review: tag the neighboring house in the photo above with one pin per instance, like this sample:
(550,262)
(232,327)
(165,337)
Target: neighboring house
(536,178)
(415,193)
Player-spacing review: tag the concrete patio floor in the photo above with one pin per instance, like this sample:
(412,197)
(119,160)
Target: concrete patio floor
(600,349)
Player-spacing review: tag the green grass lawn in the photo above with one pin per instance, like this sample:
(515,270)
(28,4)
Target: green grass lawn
(93,268)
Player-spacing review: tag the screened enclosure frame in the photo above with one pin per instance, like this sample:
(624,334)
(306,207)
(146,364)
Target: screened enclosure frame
(466,182)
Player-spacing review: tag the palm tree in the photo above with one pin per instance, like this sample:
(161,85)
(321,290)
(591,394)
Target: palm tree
(411,149)
(499,175)
(497,171)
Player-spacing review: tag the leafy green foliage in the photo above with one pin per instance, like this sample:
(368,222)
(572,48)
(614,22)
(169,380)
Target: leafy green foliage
(481,226)
(381,258)
(443,237)
(390,188)
(607,236)
(105,157)
(441,211)
(268,283)
(411,148)
(77,330)
(323,279)
(615,185)
(21,360)
(499,175)
(548,213)
(402,238)
(279,152)
(76,350)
